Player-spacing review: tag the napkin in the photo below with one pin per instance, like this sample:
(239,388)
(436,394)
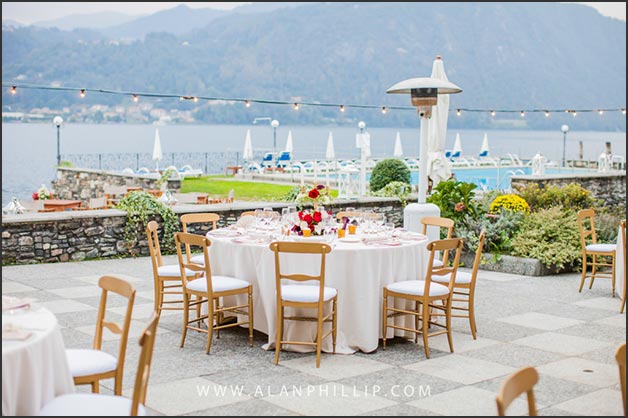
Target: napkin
(15,334)
(224,232)
(10,303)
(412,236)
(378,238)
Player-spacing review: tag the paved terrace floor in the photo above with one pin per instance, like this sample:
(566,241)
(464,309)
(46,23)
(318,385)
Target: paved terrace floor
(538,321)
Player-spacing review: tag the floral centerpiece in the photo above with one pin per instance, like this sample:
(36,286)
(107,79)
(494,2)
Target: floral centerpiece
(312,220)
(42,193)
(317,195)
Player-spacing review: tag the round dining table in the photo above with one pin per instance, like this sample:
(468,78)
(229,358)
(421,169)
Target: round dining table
(34,365)
(359,270)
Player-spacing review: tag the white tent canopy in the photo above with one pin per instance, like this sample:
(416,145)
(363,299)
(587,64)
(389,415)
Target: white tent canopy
(330,152)
(289,146)
(398,152)
(457,145)
(157,154)
(438,167)
(247,154)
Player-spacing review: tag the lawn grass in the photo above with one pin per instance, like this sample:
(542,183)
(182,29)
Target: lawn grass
(242,190)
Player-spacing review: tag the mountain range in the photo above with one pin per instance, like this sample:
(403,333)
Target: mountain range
(503,55)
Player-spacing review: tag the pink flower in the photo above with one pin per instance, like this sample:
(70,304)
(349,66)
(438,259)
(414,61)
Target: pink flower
(460,207)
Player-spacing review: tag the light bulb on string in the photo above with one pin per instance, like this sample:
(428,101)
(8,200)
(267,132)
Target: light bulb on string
(14,90)
(547,113)
(247,103)
(493,113)
(296,106)
(523,114)
(135,98)
(342,108)
(195,99)
(623,111)
(601,112)
(574,113)
(458,112)
(384,110)
(82,94)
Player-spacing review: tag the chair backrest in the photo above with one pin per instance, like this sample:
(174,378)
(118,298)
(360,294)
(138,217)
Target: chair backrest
(478,257)
(192,218)
(360,214)
(517,383)
(312,248)
(126,290)
(444,245)
(586,223)
(248,213)
(153,245)
(147,342)
(620,356)
(435,221)
(190,241)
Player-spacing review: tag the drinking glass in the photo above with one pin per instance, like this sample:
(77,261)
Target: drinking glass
(389,227)
(259,214)
(268,215)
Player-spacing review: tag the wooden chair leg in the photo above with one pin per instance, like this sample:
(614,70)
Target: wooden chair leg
(157,297)
(613,275)
(118,385)
(95,386)
(448,325)
(334,324)
(584,272)
(319,339)
(216,303)
(251,316)
(425,317)
(472,323)
(186,317)
(385,318)
(593,271)
(417,317)
(279,335)
(210,325)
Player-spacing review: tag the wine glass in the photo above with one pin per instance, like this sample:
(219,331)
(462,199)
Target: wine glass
(259,215)
(268,215)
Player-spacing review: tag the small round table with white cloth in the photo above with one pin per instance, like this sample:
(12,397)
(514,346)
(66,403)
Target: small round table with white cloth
(357,270)
(34,369)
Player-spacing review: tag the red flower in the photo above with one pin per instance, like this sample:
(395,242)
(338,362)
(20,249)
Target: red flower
(301,215)
(318,217)
(35,196)
(320,187)
(307,218)
(314,193)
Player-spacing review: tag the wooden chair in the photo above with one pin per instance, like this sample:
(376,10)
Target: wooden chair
(304,296)
(248,213)
(623,242)
(192,218)
(517,383)
(464,288)
(210,289)
(425,294)
(87,404)
(89,366)
(620,356)
(435,221)
(163,274)
(586,224)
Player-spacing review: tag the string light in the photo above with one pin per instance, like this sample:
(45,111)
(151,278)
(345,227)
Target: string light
(247,102)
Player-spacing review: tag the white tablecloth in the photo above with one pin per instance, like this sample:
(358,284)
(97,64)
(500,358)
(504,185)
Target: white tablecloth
(358,271)
(619,265)
(34,371)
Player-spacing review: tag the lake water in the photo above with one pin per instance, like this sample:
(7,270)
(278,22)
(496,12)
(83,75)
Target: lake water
(29,150)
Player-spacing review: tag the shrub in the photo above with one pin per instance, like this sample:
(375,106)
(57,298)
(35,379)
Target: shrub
(552,236)
(387,171)
(607,221)
(509,202)
(396,189)
(572,196)
(500,231)
(455,200)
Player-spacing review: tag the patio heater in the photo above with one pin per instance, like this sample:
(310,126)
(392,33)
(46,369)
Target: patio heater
(424,92)
(58,121)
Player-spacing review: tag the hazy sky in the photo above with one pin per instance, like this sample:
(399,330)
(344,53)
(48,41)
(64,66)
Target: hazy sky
(36,11)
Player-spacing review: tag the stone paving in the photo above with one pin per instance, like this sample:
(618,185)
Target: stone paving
(537,321)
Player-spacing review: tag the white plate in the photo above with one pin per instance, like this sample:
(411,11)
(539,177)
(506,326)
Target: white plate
(312,238)
(350,239)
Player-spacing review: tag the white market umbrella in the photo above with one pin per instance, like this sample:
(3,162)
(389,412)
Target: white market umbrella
(247,154)
(484,150)
(289,146)
(330,152)
(157,154)
(398,152)
(457,145)
(438,166)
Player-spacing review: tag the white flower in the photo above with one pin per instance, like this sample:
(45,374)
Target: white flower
(318,229)
(303,225)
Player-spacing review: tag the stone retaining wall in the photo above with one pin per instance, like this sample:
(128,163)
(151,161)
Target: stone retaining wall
(609,187)
(81,235)
(84,183)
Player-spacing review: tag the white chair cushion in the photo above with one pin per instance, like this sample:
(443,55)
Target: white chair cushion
(198,259)
(416,288)
(437,263)
(89,404)
(84,362)
(461,278)
(173,271)
(602,248)
(219,284)
(306,293)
